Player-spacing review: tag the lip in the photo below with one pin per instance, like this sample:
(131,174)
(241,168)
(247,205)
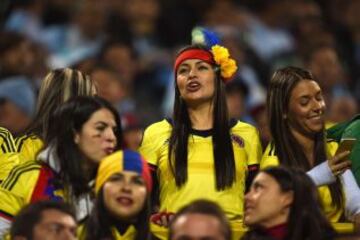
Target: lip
(193,86)
(125,201)
(109,150)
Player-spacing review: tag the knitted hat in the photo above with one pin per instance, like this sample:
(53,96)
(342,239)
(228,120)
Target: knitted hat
(119,161)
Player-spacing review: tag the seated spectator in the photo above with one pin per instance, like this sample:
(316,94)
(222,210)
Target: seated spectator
(200,219)
(283,204)
(44,220)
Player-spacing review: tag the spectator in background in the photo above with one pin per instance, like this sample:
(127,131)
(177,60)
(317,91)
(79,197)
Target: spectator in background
(343,108)
(16,55)
(44,220)
(323,61)
(236,93)
(111,86)
(132,131)
(283,204)
(17,104)
(200,219)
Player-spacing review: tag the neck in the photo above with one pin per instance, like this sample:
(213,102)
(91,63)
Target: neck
(201,116)
(277,232)
(307,143)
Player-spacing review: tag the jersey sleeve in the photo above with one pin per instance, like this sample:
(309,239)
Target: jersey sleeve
(28,147)
(149,147)
(269,158)
(16,189)
(254,149)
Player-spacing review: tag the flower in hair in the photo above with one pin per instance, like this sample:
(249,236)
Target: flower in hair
(222,58)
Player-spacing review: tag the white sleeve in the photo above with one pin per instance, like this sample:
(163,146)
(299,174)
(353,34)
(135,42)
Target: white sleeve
(321,174)
(352,193)
(4,227)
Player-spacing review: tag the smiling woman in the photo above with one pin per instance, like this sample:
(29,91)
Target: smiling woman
(122,208)
(296,109)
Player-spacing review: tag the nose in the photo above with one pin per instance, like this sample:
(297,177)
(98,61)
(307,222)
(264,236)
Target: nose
(192,72)
(110,135)
(319,106)
(126,186)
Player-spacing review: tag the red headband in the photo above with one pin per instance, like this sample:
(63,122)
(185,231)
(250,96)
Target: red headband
(194,54)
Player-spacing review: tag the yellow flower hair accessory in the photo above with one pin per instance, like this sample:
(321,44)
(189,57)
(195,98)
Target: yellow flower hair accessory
(222,58)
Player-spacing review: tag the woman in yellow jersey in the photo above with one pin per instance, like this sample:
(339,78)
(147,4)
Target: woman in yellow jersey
(200,152)
(122,208)
(57,87)
(83,131)
(296,107)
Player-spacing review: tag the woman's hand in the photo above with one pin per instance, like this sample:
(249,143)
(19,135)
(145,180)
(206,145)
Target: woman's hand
(162,218)
(339,163)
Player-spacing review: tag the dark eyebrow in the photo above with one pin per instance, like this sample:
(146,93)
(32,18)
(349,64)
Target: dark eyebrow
(104,123)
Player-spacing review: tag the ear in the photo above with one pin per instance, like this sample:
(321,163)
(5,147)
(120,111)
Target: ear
(288,198)
(76,138)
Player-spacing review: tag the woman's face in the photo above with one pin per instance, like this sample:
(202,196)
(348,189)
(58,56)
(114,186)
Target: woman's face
(97,137)
(265,204)
(195,80)
(125,194)
(306,108)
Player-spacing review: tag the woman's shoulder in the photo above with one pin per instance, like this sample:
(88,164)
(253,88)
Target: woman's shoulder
(157,128)
(242,128)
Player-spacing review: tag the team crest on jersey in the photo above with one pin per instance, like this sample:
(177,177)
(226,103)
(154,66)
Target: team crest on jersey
(238,140)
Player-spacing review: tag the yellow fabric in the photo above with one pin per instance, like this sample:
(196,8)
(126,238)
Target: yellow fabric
(270,159)
(28,146)
(8,153)
(17,189)
(26,149)
(201,177)
(129,234)
(109,165)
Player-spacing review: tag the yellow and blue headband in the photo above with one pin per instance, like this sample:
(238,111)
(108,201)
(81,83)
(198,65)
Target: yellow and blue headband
(119,161)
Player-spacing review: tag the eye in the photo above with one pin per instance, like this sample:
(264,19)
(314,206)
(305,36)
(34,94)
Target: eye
(203,67)
(304,101)
(319,97)
(116,178)
(138,181)
(100,127)
(182,70)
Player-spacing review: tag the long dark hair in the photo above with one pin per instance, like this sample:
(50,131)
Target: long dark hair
(99,223)
(66,121)
(224,163)
(306,219)
(287,148)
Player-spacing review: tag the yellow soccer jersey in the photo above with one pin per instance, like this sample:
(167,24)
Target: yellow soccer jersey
(201,178)
(130,233)
(8,153)
(28,147)
(27,183)
(270,159)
